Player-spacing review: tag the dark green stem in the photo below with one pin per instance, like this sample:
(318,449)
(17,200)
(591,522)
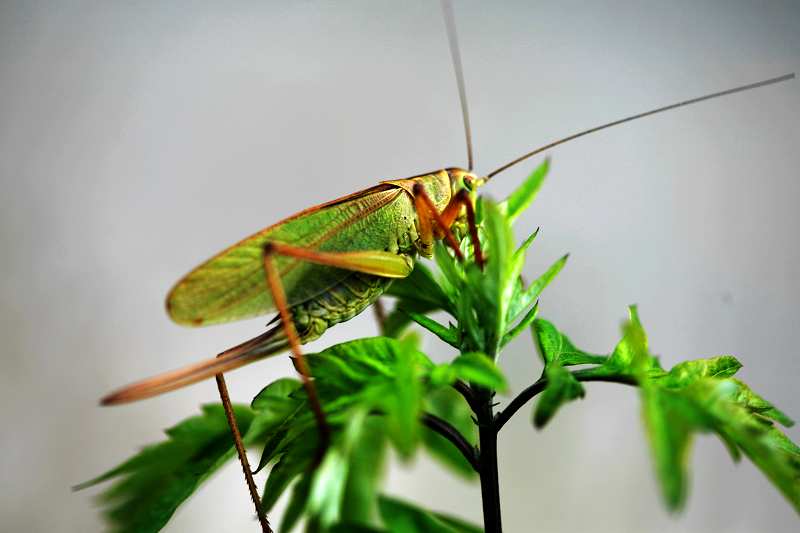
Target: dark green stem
(532,390)
(487,463)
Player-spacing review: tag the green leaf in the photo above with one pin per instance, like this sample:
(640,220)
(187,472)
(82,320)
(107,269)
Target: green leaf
(478,368)
(556,347)
(404,517)
(562,387)
(758,405)
(297,503)
(727,402)
(522,325)
(669,420)
(535,289)
(366,459)
(419,293)
(493,287)
(350,366)
(398,319)
(688,372)
(631,355)
(448,335)
(294,462)
(151,485)
(401,401)
(276,398)
(420,287)
(521,198)
(327,488)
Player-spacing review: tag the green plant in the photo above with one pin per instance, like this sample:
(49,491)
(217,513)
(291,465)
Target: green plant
(384,392)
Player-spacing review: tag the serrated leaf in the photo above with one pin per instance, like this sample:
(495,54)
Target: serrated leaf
(349,366)
(758,405)
(556,347)
(688,372)
(521,198)
(561,388)
(769,449)
(151,485)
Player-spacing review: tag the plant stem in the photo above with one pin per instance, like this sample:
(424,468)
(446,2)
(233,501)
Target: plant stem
(443,428)
(532,390)
(487,463)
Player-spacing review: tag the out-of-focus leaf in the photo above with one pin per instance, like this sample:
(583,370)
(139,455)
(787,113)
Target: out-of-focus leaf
(297,503)
(687,372)
(758,405)
(521,198)
(670,421)
(366,459)
(404,517)
(327,488)
(561,388)
(151,485)
(727,404)
(479,369)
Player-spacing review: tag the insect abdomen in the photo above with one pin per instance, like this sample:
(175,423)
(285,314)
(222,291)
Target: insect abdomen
(338,304)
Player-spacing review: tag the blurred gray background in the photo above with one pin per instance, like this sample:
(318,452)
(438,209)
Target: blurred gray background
(138,138)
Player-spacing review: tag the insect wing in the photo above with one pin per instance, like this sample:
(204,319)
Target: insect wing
(231,285)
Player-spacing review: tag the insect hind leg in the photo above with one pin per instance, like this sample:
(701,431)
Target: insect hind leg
(298,359)
(240,450)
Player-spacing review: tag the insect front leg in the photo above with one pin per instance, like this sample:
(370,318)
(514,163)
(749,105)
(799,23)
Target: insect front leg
(444,220)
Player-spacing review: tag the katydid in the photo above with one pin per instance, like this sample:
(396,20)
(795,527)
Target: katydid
(328,263)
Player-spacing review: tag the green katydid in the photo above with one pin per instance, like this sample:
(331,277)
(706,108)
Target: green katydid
(328,263)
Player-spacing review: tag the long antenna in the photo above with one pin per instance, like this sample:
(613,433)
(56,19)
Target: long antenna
(452,39)
(770,81)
